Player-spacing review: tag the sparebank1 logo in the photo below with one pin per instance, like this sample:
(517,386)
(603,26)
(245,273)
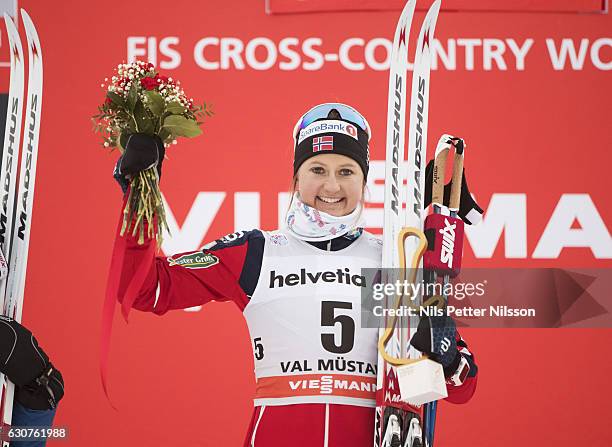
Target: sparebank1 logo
(358,54)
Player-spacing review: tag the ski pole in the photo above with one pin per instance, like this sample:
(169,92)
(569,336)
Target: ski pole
(443,257)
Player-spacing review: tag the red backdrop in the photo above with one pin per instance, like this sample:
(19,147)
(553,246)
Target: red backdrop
(537,153)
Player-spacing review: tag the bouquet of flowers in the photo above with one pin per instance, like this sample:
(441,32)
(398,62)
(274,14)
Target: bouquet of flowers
(140,100)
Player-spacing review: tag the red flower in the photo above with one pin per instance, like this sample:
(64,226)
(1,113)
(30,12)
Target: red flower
(148,83)
(108,101)
(162,78)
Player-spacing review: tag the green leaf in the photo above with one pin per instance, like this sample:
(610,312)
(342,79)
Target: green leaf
(145,124)
(180,126)
(155,102)
(130,126)
(175,108)
(116,99)
(132,96)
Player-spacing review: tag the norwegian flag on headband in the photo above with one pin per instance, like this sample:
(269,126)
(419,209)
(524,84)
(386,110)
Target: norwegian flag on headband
(323,144)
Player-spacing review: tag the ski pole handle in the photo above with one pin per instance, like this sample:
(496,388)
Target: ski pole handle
(437,190)
(441,155)
(455,196)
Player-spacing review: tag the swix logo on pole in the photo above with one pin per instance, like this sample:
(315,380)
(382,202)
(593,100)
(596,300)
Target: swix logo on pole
(23,217)
(448,243)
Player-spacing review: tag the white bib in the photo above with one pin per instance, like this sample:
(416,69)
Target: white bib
(304,318)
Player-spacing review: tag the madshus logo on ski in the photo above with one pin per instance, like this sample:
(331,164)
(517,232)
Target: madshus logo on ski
(395,203)
(197,260)
(418,153)
(303,277)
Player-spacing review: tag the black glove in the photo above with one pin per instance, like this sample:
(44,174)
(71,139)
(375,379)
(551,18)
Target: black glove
(39,385)
(142,151)
(469,211)
(42,393)
(437,337)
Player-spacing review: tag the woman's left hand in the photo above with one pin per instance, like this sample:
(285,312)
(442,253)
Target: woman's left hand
(437,337)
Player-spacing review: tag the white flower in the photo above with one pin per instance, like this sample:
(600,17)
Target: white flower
(106,144)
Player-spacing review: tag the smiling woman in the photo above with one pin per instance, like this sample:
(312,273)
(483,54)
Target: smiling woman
(299,289)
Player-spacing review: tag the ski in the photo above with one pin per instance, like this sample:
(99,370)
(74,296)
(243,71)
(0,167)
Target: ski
(417,155)
(12,139)
(16,223)
(8,177)
(387,427)
(397,422)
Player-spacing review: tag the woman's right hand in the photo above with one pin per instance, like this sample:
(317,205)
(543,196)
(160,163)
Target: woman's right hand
(142,151)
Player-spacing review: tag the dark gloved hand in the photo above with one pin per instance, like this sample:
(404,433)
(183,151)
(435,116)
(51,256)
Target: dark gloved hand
(42,393)
(142,151)
(437,337)
(38,384)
